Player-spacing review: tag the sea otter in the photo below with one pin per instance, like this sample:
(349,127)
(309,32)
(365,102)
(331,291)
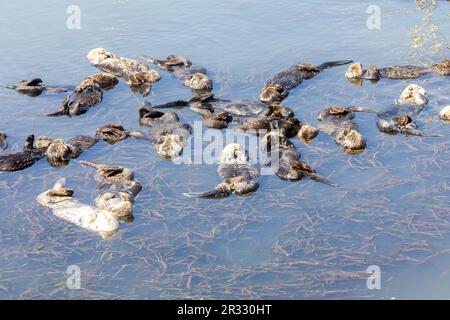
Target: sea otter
(282,155)
(398,118)
(116,190)
(33,87)
(59,153)
(356,72)
(21,160)
(64,206)
(277,87)
(181,67)
(113,133)
(338,123)
(88,94)
(135,73)
(167,132)
(444,114)
(239,175)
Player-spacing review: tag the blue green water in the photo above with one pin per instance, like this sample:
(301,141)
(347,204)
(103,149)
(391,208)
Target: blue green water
(288,240)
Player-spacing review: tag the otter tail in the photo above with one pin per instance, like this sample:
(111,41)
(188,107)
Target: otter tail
(91,164)
(214,194)
(150,60)
(137,134)
(361,109)
(332,64)
(8,86)
(417,133)
(319,178)
(173,104)
(57,90)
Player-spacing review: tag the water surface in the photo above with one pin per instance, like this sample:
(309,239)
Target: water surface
(288,240)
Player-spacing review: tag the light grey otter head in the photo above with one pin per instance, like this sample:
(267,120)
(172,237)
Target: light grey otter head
(444,114)
(170,146)
(351,141)
(55,195)
(354,71)
(198,81)
(97,55)
(413,94)
(232,153)
(307,133)
(273,93)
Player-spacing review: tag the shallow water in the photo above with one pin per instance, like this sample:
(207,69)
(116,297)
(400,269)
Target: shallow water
(288,240)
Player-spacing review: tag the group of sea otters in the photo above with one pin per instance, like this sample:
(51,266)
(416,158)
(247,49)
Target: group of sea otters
(266,117)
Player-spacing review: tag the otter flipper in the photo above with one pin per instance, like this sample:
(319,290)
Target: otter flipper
(332,64)
(173,104)
(64,110)
(8,86)
(414,132)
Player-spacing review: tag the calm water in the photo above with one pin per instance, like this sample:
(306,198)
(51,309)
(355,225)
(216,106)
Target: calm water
(288,240)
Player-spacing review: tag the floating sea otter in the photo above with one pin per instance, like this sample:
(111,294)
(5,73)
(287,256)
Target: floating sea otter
(338,122)
(88,94)
(167,132)
(356,73)
(276,117)
(64,206)
(239,175)
(277,87)
(113,133)
(398,118)
(116,190)
(137,74)
(21,160)
(181,67)
(59,153)
(283,157)
(33,87)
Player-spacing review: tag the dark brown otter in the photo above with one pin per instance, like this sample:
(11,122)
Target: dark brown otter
(277,87)
(59,153)
(282,156)
(239,175)
(113,133)
(21,160)
(167,132)
(33,87)
(88,94)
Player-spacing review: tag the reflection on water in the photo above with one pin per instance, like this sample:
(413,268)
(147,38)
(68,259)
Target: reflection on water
(288,240)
